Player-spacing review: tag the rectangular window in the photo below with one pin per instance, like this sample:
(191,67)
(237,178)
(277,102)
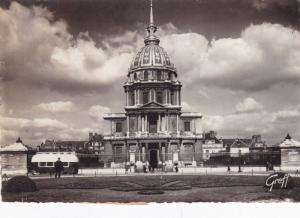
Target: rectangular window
(145,97)
(65,164)
(187,126)
(132,101)
(42,164)
(159,97)
(158,75)
(50,164)
(172,97)
(146,75)
(118,127)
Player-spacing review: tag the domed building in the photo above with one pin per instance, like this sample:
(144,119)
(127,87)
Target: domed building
(153,130)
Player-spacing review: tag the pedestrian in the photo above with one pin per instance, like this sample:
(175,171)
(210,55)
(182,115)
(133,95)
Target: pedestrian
(58,167)
(267,166)
(176,169)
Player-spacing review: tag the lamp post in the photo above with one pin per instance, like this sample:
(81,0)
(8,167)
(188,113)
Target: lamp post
(240,161)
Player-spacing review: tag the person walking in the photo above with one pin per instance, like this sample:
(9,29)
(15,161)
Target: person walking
(58,167)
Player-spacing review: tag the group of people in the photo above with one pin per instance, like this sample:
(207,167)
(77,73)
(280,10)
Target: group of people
(148,167)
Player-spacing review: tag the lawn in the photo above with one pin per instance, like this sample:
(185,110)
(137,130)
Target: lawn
(176,188)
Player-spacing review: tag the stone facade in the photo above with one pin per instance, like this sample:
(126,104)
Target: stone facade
(14,159)
(153,128)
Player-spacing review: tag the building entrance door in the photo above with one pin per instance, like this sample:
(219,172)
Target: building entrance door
(153,158)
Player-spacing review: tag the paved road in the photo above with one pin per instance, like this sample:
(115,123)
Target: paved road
(255,171)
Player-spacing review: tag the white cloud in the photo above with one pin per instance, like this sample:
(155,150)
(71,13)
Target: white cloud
(56,59)
(97,112)
(34,131)
(292,116)
(248,105)
(264,55)
(58,106)
(186,107)
(269,124)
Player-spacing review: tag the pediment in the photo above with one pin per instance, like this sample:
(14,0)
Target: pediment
(153,105)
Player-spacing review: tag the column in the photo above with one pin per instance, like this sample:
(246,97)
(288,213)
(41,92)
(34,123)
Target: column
(146,123)
(134,97)
(158,123)
(139,122)
(143,124)
(177,122)
(111,130)
(163,123)
(169,151)
(143,154)
(150,92)
(139,151)
(167,96)
(163,152)
(128,125)
(127,98)
(179,97)
(167,120)
(138,94)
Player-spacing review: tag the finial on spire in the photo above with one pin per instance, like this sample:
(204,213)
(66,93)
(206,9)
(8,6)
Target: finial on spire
(151,14)
(151,28)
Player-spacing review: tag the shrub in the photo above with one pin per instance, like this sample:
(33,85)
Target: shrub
(19,184)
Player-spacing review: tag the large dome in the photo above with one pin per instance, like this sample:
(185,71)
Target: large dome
(151,56)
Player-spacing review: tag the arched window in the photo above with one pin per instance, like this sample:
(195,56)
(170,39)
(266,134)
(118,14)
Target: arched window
(146,75)
(135,76)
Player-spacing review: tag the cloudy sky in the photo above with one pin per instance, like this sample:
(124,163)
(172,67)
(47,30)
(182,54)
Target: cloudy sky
(63,64)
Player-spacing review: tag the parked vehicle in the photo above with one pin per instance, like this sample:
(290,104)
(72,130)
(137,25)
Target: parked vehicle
(43,162)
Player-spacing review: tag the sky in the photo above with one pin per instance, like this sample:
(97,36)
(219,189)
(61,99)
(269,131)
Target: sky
(63,64)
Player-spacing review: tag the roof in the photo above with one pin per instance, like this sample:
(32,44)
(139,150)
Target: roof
(14,147)
(151,56)
(237,143)
(191,115)
(53,156)
(114,116)
(289,143)
(73,143)
(208,136)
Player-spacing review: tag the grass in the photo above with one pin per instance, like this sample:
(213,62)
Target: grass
(205,188)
